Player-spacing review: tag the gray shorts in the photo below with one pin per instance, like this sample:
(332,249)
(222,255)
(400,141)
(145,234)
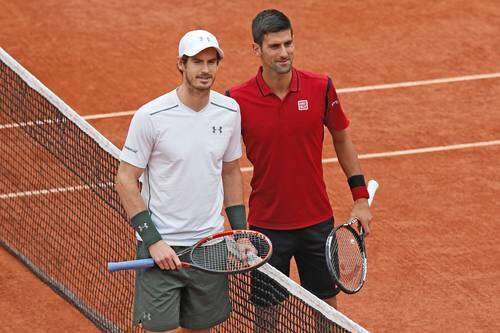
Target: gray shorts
(190,298)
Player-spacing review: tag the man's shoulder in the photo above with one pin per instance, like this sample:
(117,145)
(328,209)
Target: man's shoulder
(249,85)
(160,104)
(223,102)
(311,77)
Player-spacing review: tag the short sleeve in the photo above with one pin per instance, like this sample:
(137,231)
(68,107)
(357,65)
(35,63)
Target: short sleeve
(233,150)
(139,142)
(335,118)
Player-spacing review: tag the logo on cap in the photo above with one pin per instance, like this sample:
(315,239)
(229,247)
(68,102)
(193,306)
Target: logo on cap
(196,41)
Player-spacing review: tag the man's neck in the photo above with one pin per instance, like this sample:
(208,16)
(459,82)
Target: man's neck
(278,83)
(194,99)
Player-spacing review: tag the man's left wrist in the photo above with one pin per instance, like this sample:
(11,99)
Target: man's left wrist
(361,201)
(237,217)
(358,187)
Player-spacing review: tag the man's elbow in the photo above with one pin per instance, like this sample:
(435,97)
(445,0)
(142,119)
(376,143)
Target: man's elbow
(231,168)
(340,137)
(122,179)
(119,182)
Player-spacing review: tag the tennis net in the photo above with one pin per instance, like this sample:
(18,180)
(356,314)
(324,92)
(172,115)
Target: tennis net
(61,216)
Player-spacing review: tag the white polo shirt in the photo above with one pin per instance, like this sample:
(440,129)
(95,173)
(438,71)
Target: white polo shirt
(181,152)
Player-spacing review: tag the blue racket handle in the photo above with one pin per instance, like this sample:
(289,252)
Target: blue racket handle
(131,264)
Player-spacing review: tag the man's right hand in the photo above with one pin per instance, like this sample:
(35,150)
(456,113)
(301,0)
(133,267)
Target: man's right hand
(164,256)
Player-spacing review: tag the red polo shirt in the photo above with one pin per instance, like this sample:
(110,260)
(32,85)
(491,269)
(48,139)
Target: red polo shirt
(284,142)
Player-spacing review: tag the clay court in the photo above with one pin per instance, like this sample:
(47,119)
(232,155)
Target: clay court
(420,81)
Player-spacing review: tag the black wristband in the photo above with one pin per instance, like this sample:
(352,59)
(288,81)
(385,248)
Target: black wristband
(237,217)
(145,227)
(356,180)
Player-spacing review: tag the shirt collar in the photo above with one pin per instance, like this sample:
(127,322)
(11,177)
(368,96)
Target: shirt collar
(264,88)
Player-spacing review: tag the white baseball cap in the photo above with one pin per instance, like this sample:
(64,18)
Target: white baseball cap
(196,41)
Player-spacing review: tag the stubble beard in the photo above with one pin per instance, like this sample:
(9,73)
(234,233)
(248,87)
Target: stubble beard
(282,70)
(191,85)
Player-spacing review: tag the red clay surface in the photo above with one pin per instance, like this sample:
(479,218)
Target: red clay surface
(434,250)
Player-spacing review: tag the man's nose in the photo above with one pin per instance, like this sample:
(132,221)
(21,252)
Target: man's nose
(205,67)
(283,51)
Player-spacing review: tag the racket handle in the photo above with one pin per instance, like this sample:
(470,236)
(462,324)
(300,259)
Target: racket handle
(372,188)
(131,264)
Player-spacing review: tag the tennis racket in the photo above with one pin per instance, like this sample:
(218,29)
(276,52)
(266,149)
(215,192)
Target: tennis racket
(346,253)
(227,252)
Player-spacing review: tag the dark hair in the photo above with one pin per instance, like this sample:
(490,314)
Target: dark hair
(267,21)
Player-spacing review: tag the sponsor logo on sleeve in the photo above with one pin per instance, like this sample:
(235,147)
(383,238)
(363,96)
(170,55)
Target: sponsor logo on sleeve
(131,149)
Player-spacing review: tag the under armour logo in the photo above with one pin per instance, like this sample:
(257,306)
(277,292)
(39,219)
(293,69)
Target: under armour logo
(146,316)
(142,227)
(335,102)
(215,129)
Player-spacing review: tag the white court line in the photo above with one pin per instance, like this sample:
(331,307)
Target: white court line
(109,115)
(42,192)
(14,195)
(409,152)
(419,83)
(250,169)
(347,90)
(339,91)
(29,123)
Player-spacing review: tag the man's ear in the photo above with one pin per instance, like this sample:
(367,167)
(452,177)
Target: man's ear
(180,64)
(256,49)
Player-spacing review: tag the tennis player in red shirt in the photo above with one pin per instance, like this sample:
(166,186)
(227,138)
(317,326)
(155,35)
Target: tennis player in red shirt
(284,111)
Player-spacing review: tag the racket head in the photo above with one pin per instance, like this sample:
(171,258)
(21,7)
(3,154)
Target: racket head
(231,252)
(346,257)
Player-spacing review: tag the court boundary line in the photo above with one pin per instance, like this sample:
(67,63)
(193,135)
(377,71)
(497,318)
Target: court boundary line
(31,81)
(414,151)
(250,169)
(408,84)
(58,190)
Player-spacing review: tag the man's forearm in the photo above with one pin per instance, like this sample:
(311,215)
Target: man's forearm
(232,181)
(128,189)
(348,159)
(346,153)
(130,197)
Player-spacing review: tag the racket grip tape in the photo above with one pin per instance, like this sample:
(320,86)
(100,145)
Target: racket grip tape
(131,264)
(372,189)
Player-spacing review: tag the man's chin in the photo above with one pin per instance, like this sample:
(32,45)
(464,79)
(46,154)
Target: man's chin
(202,87)
(283,70)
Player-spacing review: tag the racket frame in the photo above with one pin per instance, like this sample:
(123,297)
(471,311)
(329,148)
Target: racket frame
(149,262)
(361,244)
(372,187)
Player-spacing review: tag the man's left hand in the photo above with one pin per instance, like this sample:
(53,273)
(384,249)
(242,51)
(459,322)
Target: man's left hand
(361,211)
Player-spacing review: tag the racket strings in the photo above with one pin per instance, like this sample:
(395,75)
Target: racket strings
(231,253)
(349,264)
